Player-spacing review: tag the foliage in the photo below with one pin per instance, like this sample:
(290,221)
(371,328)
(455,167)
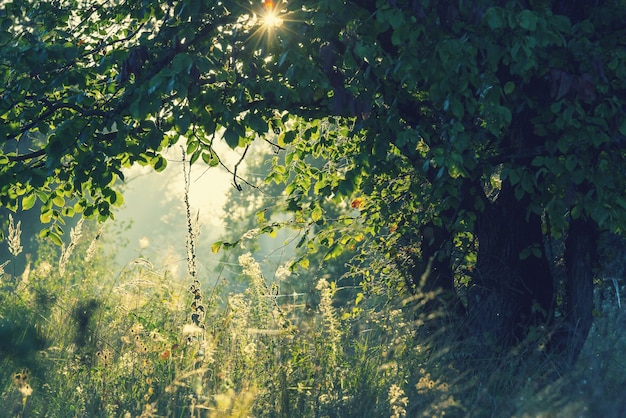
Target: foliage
(467,139)
(259,221)
(90,89)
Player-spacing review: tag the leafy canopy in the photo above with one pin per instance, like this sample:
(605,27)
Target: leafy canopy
(413,104)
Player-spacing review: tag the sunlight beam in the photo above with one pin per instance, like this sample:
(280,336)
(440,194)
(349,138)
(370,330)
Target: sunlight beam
(271,18)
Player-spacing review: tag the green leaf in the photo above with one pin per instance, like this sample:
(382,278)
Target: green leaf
(525,253)
(395,17)
(215,247)
(359,298)
(182,63)
(286,137)
(456,107)
(58,201)
(534,250)
(513,175)
(527,20)
(316,214)
(55,238)
(509,87)
(210,158)
(183,123)
(232,138)
(335,251)
(527,183)
(159,163)
(117,199)
(304,263)
(506,115)
(260,217)
(195,156)
(68,211)
(257,124)
(136,110)
(89,212)
(493,17)
(29,201)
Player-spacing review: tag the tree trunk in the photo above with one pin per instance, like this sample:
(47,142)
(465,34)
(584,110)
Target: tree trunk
(429,272)
(580,257)
(438,276)
(512,284)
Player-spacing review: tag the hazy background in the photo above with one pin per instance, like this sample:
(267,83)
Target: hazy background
(152,222)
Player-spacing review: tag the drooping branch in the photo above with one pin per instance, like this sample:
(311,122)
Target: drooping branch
(29,156)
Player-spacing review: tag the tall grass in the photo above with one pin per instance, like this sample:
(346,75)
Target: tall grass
(85,342)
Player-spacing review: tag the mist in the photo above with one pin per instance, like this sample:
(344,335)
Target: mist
(152,224)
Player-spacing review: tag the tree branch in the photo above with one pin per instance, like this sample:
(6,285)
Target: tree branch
(29,156)
(237,186)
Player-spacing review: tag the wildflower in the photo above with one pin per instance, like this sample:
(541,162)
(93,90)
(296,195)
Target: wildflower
(193,228)
(91,251)
(136,329)
(331,323)
(66,252)
(104,357)
(321,284)
(14,238)
(20,380)
(425,383)
(44,269)
(141,348)
(282,272)
(2,266)
(250,267)
(144,242)
(149,410)
(26,390)
(253,233)
(250,350)
(156,336)
(397,401)
(247,236)
(192,330)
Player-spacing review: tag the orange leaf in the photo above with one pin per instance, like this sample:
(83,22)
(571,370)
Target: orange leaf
(357,203)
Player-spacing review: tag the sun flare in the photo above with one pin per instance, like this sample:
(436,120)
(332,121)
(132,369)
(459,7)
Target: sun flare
(269,23)
(271,18)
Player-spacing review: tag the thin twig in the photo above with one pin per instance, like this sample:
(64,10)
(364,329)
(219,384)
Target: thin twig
(237,186)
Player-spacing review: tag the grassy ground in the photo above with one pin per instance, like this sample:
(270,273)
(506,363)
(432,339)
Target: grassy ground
(77,340)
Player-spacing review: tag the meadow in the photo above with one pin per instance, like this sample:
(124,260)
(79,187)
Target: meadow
(80,340)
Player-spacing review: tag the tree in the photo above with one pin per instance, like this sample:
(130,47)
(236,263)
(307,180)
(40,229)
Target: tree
(485,127)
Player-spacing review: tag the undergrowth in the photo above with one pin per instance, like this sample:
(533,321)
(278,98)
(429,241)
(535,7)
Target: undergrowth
(80,341)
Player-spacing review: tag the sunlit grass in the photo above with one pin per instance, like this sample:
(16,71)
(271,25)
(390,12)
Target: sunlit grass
(135,342)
